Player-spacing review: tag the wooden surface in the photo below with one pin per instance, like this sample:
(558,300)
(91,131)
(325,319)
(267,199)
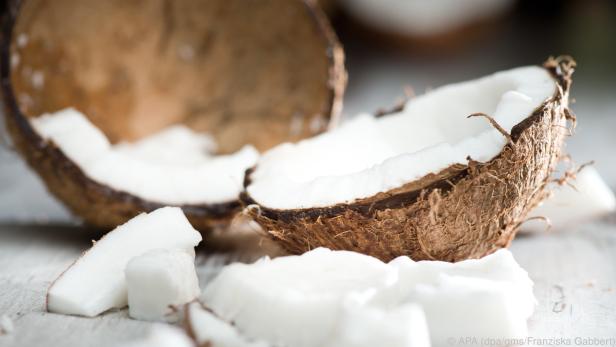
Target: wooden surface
(574,273)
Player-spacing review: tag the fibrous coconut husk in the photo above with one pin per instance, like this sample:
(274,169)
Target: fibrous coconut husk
(465,211)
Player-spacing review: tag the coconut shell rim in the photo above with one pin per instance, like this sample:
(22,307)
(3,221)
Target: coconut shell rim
(560,69)
(335,85)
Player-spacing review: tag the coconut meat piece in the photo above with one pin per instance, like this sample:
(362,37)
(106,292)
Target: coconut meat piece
(207,328)
(159,280)
(364,326)
(338,296)
(293,300)
(490,297)
(584,197)
(369,155)
(96,282)
(175,166)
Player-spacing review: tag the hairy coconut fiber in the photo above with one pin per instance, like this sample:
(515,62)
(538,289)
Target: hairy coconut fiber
(246,72)
(464,211)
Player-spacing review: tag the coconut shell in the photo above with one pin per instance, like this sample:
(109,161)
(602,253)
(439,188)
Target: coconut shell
(465,211)
(257,72)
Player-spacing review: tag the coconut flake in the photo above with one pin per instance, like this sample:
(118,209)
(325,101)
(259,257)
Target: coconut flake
(174,166)
(339,296)
(368,155)
(585,197)
(159,280)
(95,282)
(207,328)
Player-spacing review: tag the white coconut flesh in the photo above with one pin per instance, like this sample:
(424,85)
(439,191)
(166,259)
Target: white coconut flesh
(159,280)
(402,326)
(306,300)
(207,328)
(487,298)
(424,18)
(582,198)
(96,282)
(293,300)
(175,166)
(368,155)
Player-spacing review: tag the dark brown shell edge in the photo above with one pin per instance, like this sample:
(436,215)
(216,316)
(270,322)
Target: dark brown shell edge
(102,206)
(443,216)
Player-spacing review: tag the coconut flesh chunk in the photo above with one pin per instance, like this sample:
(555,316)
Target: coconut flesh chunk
(95,282)
(159,280)
(293,300)
(487,298)
(329,294)
(175,166)
(584,197)
(205,327)
(402,326)
(369,155)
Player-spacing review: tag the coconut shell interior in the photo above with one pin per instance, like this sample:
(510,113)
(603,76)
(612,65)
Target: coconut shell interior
(258,72)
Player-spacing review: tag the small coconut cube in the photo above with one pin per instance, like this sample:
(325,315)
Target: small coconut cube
(491,297)
(402,326)
(159,280)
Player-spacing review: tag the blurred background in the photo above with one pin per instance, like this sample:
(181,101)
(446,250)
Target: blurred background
(393,44)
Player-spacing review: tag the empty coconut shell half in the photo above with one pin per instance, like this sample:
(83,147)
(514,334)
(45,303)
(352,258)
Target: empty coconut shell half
(450,176)
(245,72)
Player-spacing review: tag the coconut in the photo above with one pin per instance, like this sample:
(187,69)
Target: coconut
(245,72)
(428,181)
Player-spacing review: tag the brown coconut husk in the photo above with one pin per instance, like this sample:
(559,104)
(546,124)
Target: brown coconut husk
(258,72)
(462,212)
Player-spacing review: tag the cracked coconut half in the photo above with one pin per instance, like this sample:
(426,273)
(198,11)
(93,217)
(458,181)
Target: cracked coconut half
(145,80)
(449,176)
